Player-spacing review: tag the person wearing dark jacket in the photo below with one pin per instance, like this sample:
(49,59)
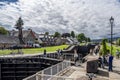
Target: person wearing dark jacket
(110,63)
(44,52)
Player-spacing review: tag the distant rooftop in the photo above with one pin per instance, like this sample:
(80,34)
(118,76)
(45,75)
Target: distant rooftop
(7,39)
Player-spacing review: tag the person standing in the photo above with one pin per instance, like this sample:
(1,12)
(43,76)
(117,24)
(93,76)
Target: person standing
(75,56)
(91,51)
(110,62)
(58,53)
(117,53)
(61,54)
(45,53)
(101,62)
(96,50)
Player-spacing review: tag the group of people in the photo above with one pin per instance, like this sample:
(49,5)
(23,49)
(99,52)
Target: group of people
(106,60)
(59,53)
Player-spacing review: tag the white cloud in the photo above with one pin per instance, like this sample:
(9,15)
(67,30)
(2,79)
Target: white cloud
(88,16)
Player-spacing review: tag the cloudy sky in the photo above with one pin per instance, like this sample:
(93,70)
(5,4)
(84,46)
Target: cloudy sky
(82,16)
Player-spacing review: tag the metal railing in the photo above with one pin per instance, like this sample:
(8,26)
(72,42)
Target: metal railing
(56,68)
(63,56)
(51,71)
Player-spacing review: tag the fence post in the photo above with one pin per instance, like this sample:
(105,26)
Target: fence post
(69,63)
(54,55)
(37,77)
(57,68)
(65,57)
(42,73)
(49,55)
(0,71)
(62,65)
(66,64)
(51,70)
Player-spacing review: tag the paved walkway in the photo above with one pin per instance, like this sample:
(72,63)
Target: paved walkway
(115,75)
(79,72)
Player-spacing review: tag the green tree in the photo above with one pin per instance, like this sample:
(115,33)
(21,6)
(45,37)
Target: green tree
(104,47)
(46,33)
(65,35)
(81,37)
(57,34)
(3,31)
(72,34)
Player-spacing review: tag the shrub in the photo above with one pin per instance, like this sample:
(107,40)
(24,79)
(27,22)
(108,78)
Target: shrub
(104,47)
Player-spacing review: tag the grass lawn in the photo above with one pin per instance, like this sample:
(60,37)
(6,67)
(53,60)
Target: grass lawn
(35,50)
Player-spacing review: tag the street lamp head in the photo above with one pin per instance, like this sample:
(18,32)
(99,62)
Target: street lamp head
(111,20)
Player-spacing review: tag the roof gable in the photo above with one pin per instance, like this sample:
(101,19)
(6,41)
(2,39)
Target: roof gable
(25,33)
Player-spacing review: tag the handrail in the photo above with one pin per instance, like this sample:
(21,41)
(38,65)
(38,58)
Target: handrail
(62,65)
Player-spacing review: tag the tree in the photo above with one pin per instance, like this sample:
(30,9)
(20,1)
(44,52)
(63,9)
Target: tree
(104,47)
(57,34)
(72,34)
(66,35)
(46,33)
(3,31)
(81,37)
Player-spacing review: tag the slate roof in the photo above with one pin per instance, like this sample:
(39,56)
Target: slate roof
(7,39)
(25,33)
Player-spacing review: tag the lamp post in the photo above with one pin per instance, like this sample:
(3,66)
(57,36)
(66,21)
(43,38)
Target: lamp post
(111,24)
